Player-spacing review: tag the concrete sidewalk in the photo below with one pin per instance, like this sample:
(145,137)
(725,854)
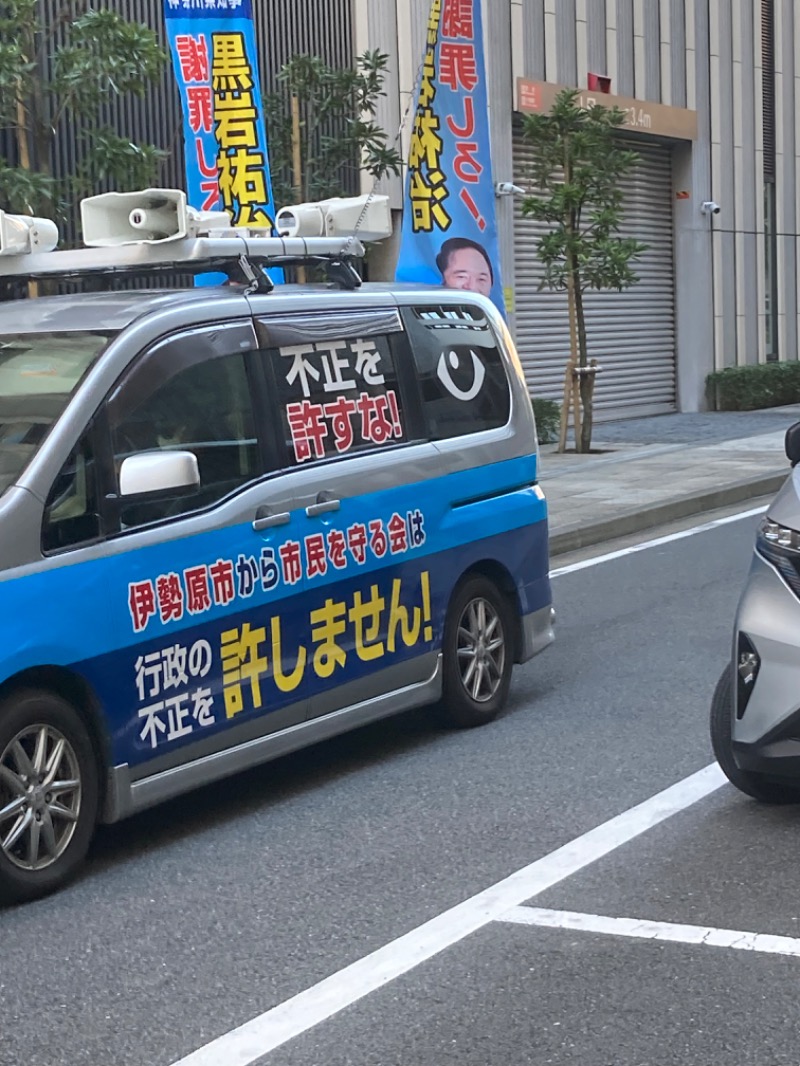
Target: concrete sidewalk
(650,471)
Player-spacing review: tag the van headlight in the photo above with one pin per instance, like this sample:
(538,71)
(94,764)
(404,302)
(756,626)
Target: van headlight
(781,547)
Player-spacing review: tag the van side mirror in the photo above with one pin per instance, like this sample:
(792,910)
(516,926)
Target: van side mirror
(154,473)
(792,444)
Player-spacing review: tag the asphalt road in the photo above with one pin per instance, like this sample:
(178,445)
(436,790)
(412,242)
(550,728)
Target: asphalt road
(197,917)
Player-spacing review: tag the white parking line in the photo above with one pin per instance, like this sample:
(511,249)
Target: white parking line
(644,930)
(257,1038)
(263,1034)
(657,542)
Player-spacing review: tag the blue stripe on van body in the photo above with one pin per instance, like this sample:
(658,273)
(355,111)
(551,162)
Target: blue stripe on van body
(489,512)
(113,675)
(90,621)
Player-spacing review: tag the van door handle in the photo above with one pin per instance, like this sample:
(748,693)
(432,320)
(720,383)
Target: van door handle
(265,519)
(324,505)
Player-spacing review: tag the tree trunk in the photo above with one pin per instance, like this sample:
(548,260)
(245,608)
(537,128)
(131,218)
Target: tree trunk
(573,293)
(43,146)
(587,380)
(565,407)
(570,394)
(23,146)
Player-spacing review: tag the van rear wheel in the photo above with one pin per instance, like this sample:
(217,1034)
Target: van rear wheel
(478,654)
(48,794)
(756,786)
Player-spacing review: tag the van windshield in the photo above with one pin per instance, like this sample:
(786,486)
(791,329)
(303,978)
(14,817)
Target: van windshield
(39,373)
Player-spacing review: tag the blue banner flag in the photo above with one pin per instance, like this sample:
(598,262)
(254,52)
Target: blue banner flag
(216,66)
(449,225)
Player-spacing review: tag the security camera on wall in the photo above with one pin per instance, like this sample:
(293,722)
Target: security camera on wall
(508,188)
(710,207)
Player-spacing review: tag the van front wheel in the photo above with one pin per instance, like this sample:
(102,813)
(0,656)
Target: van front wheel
(478,654)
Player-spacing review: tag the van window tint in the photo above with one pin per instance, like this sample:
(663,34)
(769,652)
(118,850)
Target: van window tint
(72,511)
(39,374)
(337,396)
(205,408)
(461,375)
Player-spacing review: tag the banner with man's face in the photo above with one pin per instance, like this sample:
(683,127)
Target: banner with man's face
(449,225)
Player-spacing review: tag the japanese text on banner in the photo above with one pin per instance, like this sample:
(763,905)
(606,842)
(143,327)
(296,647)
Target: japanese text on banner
(339,395)
(215,62)
(236,583)
(261,664)
(449,224)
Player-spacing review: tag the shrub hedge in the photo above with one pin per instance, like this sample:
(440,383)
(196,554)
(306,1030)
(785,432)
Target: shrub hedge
(749,388)
(548,420)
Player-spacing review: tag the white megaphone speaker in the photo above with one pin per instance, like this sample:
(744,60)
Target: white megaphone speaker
(151,216)
(21,234)
(367,217)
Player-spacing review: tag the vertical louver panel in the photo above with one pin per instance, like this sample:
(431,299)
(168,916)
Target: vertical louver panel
(772,320)
(768,85)
(631,333)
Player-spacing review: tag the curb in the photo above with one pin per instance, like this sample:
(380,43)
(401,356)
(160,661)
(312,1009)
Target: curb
(583,536)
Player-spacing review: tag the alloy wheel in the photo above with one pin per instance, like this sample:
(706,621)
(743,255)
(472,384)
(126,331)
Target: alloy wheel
(40,797)
(481,650)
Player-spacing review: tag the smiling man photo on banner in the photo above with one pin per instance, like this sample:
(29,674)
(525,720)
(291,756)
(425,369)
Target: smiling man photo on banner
(449,234)
(465,264)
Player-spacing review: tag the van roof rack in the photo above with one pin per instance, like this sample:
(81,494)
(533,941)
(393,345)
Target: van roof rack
(240,257)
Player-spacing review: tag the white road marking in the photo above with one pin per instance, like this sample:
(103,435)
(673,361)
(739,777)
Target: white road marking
(644,930)
(258,1037)
(656,543)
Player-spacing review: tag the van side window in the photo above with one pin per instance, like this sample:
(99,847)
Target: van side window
(337,397)
(72,512)
(204,407)
(461,375)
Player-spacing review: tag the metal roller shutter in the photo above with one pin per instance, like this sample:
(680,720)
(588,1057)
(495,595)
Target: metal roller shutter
(631,333)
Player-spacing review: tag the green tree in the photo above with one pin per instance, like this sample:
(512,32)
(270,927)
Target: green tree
(322,129)
(66,68)
(576,176)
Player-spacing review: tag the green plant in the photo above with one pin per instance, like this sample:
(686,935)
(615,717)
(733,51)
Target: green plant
(547,414)
(322,131)
(750,388)
(576,173)
(64,66)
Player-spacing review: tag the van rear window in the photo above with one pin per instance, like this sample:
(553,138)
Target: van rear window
(461,375)
(337,396)
(39,374)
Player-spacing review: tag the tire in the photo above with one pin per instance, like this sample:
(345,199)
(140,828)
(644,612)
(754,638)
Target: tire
(44,833)
(475,687)
(757,786)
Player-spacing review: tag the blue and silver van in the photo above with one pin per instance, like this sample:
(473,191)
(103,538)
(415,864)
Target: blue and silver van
(237,523)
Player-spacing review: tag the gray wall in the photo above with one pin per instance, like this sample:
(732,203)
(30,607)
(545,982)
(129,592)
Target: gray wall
(704,55)
(648,49)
